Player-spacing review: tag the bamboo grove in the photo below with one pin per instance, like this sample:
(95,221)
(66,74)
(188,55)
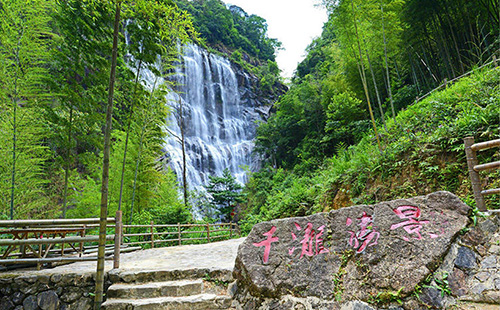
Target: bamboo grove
(54,74)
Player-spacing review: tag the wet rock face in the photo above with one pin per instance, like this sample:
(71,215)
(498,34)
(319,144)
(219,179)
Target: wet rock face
(352,253)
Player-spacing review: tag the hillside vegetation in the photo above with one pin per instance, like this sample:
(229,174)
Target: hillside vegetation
(423,152)
(354,128)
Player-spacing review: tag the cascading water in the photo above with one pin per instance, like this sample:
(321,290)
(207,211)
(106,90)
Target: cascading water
(219,127)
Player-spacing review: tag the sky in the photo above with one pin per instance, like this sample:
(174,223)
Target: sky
(293,22)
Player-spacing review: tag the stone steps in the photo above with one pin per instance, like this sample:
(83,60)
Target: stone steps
(146,276)
(168,290)
(156,289)
(195,302)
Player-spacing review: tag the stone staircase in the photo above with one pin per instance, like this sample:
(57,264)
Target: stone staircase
(193,289)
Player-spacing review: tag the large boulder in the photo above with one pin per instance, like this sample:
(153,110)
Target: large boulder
(357,253)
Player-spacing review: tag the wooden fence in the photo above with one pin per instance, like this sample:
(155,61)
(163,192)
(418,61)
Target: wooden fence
(73,240)
(178,233)
(49,241)
(474,168)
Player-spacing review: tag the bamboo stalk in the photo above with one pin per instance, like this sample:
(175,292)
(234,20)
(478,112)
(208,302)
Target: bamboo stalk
(485,145)
(118,238)
(361,68)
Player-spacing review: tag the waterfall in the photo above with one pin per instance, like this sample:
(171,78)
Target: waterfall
(219,118)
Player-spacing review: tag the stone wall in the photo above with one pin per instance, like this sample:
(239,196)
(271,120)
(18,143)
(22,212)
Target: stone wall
(418,253)
(47,292)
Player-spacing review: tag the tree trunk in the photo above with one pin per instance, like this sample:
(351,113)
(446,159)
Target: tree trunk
(128,134)
(382,115)
(387,65)
(183,145)
(14,145)
(99,286)
(363,79)
(143,129)
(68,153)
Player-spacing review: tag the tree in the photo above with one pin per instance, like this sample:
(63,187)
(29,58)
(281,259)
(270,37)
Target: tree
(224,193)
(79,78)
(155,30)
(24,39)
(99,287)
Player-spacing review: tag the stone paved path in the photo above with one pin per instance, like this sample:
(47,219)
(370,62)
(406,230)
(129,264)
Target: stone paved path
(217,255)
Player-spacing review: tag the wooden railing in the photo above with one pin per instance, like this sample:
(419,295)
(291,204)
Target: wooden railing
(474,167)
(73,240)
(40,241)
(176,234)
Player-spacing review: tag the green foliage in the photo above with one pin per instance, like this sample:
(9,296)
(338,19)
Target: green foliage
(386,297)
(231,27)
(423,153)
(24,39)
(54,74)
(224,193)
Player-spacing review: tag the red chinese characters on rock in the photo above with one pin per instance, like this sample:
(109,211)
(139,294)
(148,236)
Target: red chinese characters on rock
(411,224)
(438,219)
(366,236)
(312,243)
(267,243)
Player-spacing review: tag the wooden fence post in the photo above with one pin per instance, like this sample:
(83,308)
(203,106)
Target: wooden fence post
(152,235)
(230,229)
(118,238)
(208,232)
(473,174)
(179,232)
(82,234)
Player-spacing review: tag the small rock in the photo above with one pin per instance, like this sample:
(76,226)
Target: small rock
(30,303)
(356,305)
(497,283)
(478,289)
(431,297)
(494,249)
(488,226)
(466,258)
(483,276)
(83,304)
(481,250)
(232,289)
(6,304)
(27,279)
(56,277)
(489,262)
(17,298)
(492,297)
(6,290)
(71,295)
(19,308)
(48,300)
(43,279)
(457,282)
(473,237)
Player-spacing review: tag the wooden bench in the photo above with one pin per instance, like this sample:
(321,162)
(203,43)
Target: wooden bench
(27,250)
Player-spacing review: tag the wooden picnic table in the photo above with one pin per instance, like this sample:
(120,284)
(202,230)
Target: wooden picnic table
(40,233)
